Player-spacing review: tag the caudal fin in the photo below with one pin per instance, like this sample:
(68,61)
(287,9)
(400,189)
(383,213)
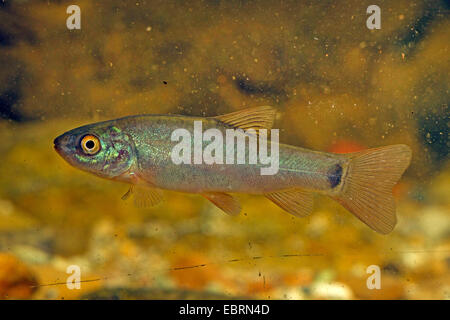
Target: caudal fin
(367,188)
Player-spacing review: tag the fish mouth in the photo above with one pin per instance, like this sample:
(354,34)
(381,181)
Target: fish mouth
(56,144)
(58,150)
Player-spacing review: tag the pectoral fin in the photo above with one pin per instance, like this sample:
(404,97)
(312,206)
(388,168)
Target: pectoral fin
(144,196)
(127,194)
(296,201)
(251,118)
(224,201)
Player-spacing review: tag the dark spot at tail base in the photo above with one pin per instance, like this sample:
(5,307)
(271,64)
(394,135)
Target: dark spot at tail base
(335,175)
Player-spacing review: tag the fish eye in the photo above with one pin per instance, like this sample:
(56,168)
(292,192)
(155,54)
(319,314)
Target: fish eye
(90,144)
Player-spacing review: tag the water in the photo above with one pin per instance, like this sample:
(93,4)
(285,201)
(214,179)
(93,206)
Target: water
(337,86)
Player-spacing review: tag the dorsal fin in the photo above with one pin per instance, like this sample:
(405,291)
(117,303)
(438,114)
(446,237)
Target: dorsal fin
(252,118)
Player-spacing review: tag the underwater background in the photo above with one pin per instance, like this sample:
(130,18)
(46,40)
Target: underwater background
(337,87)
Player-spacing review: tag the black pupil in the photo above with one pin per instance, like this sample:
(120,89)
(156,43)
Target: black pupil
(90,144)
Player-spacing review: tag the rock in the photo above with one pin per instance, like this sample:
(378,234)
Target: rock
(333,290)
(16,280)
(435,222)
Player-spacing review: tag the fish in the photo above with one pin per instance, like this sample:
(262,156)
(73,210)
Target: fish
(138,150)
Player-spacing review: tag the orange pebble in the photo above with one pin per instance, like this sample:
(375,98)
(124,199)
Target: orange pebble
(16,280)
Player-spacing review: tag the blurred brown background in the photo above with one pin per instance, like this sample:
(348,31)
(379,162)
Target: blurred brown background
(338,87)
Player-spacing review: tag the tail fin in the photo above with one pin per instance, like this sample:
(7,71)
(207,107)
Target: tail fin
(367,187)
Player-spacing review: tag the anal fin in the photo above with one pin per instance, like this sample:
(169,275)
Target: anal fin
(297,202)
(224,201)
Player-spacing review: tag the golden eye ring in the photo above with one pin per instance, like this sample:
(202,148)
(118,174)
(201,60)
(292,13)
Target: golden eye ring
(90,144)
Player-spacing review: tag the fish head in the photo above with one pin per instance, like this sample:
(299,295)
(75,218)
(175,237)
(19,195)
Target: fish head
(102,149)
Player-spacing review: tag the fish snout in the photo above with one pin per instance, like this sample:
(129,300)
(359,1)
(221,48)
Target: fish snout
(61,143)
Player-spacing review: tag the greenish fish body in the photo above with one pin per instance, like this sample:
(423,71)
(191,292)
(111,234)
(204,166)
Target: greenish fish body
(139,150)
